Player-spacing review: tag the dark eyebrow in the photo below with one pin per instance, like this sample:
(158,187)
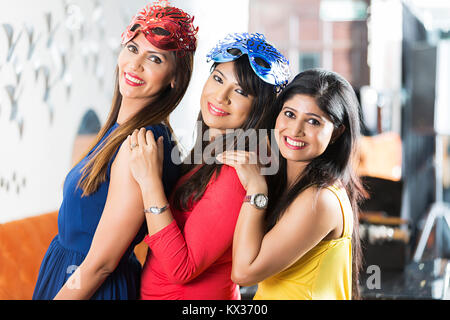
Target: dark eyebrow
(308,113)
(151,52)
(225,76)
(314,115)
(220,73)
(287,107)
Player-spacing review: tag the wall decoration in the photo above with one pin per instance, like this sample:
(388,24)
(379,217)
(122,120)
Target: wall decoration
(14,184)
(32,39)
(11,93)
(52,28)
(12,39)
(54,61)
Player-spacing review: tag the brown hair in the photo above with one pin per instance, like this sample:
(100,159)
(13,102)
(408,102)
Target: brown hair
(95,170)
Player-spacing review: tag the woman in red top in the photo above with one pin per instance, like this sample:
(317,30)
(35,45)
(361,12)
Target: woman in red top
(190,236)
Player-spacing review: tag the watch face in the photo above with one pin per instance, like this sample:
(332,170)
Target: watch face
(261,201)
(154,210)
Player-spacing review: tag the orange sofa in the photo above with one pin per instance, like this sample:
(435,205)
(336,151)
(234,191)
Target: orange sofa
(23,244)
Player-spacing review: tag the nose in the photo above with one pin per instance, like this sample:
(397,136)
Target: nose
(136,64)
(222,96)
(297,128)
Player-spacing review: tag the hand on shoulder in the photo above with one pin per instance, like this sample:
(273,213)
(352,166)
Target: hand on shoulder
(247,168)
(146,157)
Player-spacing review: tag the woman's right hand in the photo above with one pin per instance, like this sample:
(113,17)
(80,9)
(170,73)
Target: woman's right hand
(147,157)
(247,168)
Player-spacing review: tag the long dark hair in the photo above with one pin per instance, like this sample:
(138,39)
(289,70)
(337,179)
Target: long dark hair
(95,170)
(335,97)
(262,106)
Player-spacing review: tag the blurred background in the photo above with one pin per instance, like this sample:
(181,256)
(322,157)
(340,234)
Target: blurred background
(57,62)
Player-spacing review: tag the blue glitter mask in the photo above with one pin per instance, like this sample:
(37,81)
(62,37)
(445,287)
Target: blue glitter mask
(267,62)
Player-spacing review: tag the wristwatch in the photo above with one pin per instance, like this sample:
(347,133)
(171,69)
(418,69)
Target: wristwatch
(156,210)
(258,200)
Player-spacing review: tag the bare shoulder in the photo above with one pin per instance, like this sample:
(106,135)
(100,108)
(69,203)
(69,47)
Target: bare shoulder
(123,193)
(122,158)
(120,170)
(320,203)
(328,202)
(313,216)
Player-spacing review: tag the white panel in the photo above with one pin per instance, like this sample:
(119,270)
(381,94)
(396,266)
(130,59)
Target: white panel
(215,19)
(442,102)
(385,56)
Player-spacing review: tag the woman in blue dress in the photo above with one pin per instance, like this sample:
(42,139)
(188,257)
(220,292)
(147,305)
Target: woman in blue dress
(101,216)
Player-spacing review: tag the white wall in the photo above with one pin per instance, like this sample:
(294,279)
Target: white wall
(35,143)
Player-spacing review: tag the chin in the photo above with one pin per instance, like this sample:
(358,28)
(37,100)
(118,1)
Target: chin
(213,125)
(290,155)
(208,119)
(124,91)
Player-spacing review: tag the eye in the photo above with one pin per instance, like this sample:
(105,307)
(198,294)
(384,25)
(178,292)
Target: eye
(314,122)
(289,114)
(241,92)
(217,78)
(155,59)
(132,48)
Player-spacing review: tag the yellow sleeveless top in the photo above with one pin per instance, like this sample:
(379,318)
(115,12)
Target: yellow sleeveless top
(323,273)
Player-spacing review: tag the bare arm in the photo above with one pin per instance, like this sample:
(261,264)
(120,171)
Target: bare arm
(207,233)
(305,223)
(146,167)
(121,220)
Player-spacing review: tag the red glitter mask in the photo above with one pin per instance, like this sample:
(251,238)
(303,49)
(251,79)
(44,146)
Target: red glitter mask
(166,27)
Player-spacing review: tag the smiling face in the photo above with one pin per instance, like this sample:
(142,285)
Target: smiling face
(144,70)
(224,104)
(304,129)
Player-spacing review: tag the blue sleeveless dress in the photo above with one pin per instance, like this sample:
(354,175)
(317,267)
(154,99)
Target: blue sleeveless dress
(77,221)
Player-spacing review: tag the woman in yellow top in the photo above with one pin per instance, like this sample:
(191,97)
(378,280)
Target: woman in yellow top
(305,244)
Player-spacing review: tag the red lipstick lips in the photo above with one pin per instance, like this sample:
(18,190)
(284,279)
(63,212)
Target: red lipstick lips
(216,111)
(294,144)
(133,80)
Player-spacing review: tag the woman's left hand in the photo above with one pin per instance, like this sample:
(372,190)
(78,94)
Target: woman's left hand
(147,155)
(246,165)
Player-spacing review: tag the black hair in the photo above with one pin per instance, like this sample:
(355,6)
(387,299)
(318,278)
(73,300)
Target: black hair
(337,99)
(262,107)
